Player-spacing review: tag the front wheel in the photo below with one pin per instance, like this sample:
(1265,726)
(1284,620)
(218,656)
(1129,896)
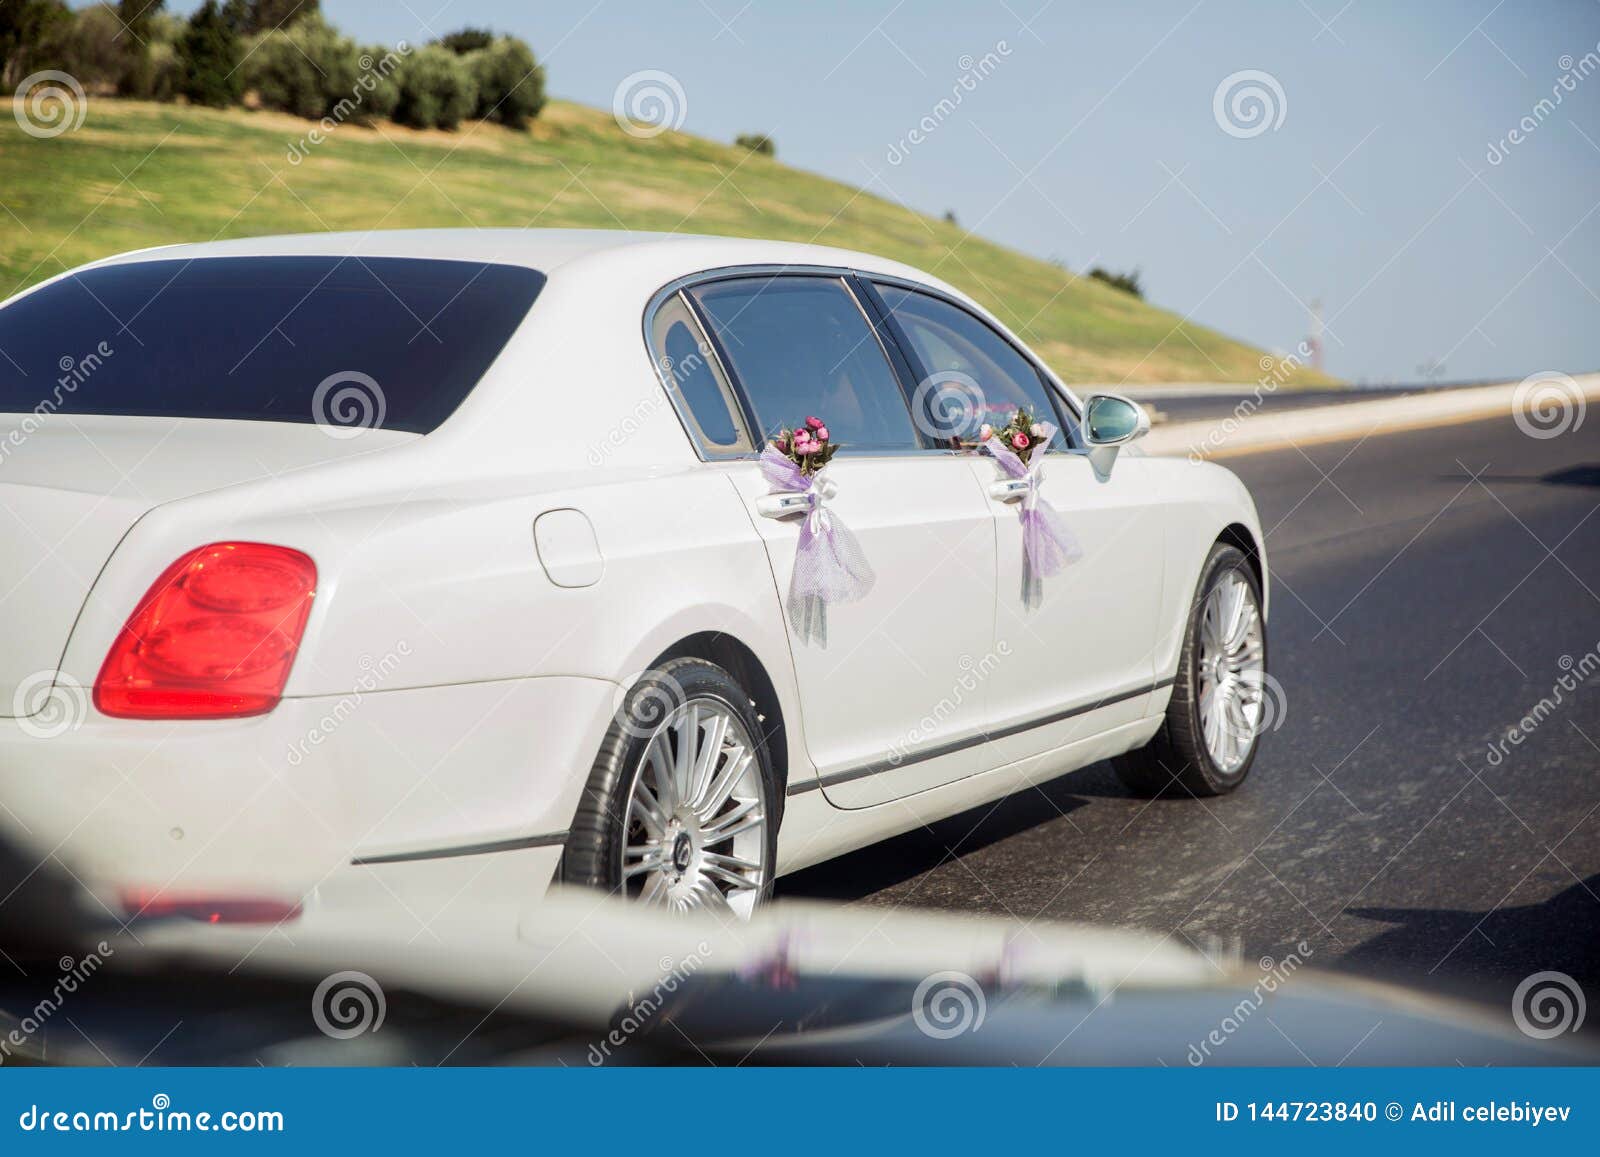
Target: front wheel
(1219,704)
(681,808)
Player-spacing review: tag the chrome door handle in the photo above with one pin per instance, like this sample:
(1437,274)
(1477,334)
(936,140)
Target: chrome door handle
(783,503)
(1008,488)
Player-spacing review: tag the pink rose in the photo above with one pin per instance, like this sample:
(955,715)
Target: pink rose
(822,433)
(985,432)
(814,423)
(1019,440)
(806,448)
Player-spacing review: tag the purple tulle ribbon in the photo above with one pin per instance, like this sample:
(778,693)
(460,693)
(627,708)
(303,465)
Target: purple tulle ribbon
(1047,543)
(829,564)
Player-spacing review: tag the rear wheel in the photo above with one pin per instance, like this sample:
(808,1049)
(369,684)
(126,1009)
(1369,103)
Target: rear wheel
(681,807)
(1219,702)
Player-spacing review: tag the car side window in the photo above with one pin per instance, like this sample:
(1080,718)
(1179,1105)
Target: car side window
(989,378)
(689,371)
(800,346)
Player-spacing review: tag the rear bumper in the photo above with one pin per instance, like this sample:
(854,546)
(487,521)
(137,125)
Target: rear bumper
(276,805)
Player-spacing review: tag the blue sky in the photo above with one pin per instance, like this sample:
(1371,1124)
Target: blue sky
(1094,139)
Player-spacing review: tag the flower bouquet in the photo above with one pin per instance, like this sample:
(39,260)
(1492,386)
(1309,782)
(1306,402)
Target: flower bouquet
(829,564)
(1047,544)
(807,446)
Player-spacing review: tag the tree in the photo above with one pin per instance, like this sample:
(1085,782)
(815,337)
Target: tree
(437,89)
(137,18)
(757,143)
(249,17)
(209,54)
(510,82)
(467,40)
(1126,282)
(32,37)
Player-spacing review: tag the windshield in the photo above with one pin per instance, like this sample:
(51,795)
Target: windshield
(276,339)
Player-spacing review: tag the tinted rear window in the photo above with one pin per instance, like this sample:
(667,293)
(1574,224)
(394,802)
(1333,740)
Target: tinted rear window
(278,339)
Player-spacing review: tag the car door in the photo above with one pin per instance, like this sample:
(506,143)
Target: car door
(884,698)
(1078,653)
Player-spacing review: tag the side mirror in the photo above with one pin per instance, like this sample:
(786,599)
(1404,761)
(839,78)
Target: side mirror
(1110,422)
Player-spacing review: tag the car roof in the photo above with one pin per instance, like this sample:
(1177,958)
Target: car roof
(546,250)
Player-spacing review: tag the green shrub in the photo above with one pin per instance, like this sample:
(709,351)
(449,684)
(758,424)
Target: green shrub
(467,40)
(309,69)
(250,17)
(94,51)
(510,82)
(437,89)
(209,53)
(1126,282)
(757,143)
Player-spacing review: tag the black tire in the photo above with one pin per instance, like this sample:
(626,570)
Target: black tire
(593,856)
(1176,762)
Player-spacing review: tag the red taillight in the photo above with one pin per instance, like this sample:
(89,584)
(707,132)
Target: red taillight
(151,904)
(213,638)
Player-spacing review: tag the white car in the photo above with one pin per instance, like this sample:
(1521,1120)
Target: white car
(447,557)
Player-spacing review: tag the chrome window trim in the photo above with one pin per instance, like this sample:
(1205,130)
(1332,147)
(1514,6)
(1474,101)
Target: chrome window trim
(708,450)
(733,272)
(1068,399)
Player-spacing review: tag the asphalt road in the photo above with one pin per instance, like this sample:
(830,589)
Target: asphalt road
(1431,588)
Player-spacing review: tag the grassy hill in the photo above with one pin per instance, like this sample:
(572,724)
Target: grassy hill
(135,175)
